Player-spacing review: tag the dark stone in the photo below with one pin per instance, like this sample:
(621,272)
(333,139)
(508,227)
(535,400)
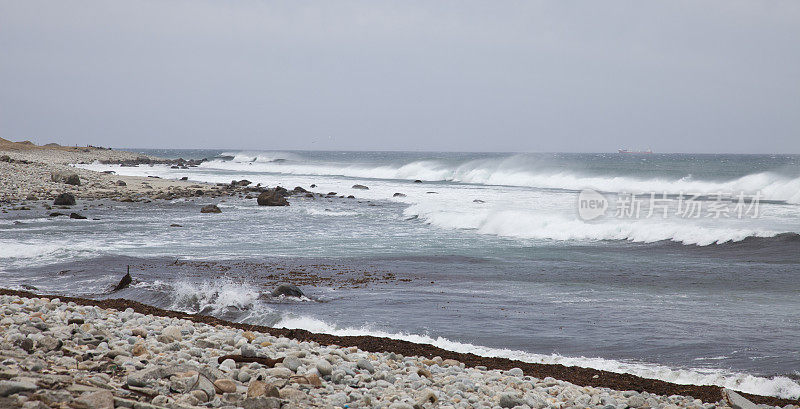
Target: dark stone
(27,345)
(478,201)
(121,183)
(351,197)
(417,181)
(361,187)
(298,190)
(331,193)
(74,215)
(70,178)
(5,158)
(65,199)
(398,195)
(313,185)
(175,225)
(124,282)
(56,214)
(272,197)
(185,178)
(210,209)
(78,321)
(288,290)
(198,192)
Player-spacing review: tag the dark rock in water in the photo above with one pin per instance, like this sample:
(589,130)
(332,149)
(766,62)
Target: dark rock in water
(210,209)
(243,182)
(56,214)
(311,195)
(272,197)
(65,199)
(331,193)
(361,187)
(76,216)
(478,201)
(185,178)
(174,167)
(298,190)
(288,290)
(121,183)
(351,197)
(109,172)
(398,195)
(198,192)
(125,282)
(313,185)
(29,287)
(175,225)
(417,181)
(432,193)
(70,178)
(154,177)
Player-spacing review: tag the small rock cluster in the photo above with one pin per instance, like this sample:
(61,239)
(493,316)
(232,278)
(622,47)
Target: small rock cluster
(61,355)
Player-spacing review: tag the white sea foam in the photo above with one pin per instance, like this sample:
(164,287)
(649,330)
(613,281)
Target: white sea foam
(326,212)
(780,386)
(511,172)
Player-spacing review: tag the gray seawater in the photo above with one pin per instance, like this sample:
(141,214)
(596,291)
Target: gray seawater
(490,249)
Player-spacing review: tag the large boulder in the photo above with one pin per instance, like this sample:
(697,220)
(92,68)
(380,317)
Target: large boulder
(68,177)
(272,197)
(64,199)
(210,209)
(288,290)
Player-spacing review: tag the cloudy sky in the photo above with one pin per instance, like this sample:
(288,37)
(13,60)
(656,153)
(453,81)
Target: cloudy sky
(675,76)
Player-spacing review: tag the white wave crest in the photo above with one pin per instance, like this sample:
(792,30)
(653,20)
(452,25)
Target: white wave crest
(513,172)
(777,386)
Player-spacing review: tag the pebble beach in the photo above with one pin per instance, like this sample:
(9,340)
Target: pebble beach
(60,354)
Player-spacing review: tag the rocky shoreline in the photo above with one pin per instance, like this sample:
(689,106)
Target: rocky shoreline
(73,352)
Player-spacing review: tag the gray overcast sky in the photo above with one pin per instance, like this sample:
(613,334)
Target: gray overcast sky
(676,76)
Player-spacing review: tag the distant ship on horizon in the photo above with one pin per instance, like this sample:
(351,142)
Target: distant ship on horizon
(647,152)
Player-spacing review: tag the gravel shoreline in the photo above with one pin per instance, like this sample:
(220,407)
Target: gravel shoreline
(28,173)
(134,355)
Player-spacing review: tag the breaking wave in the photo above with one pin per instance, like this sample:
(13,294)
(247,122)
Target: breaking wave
(511,171)
(780,386)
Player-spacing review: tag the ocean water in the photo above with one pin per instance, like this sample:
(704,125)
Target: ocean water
(488,253)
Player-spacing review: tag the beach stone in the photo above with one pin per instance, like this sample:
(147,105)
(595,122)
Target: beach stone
(5,158)
(324,368)
(261,402)
(94,400)
(210,209)
(515,372)
(224,385)
(248,350)
(287,290)
(121,183)
(11,387)
(510,400)
(68,177)
(64,199)
(636,401)
(172,334)
(737,401)
(365,365)
(271,197)
(292,362)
